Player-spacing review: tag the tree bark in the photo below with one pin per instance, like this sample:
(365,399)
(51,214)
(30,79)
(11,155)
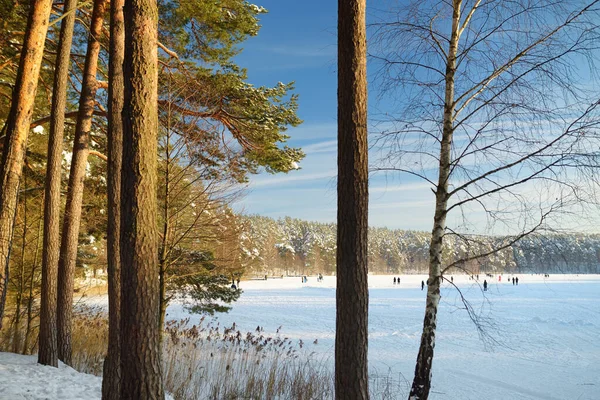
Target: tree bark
(72,217)
(422,381)
(111,380)
(352,295)
(140,345)
(17,129)
(48,336)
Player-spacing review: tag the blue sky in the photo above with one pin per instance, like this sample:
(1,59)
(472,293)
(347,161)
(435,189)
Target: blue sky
(297,42)
(303,49)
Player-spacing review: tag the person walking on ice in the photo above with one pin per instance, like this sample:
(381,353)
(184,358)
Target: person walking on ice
(422,285)
(485,285)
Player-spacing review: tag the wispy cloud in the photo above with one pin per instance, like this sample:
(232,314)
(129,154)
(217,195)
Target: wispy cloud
(310,132)
(317,50)
(291,177)
(328,146)
(411,187)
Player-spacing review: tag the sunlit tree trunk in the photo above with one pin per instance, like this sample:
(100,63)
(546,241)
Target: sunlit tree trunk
(352,295)
(48,345)
(111,379)
(72,217)
(17,130)
(140,345)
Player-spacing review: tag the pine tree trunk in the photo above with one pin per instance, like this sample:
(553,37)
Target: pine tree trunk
(72,217)
(17,129)
(48,339)
(140,345)
(352,295)
(111,380)
(422,381)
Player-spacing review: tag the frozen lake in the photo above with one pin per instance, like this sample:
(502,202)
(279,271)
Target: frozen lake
(547,332)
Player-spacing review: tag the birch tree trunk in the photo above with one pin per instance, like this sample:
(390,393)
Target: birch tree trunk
(72,218)
(422,381)
(17,129)
(111,380)
(140,345)
(48,336)
(352,295)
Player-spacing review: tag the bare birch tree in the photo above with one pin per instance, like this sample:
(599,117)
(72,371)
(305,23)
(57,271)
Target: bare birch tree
(493,113)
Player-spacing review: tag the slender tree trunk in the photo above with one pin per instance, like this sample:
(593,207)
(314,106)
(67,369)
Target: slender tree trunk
(48,339)
(72,218)
(163,299)
(140,345)
(164,250)
(352,295)
(422,381)
(17,129)
(111,381)
(30,295)
(21,287)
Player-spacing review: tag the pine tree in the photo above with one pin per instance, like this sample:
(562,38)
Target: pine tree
(352,295)
(140,334)
(17,129)
(48,339)
(111,379)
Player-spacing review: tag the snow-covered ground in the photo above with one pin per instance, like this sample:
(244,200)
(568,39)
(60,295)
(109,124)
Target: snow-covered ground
(547,331)
(21,378)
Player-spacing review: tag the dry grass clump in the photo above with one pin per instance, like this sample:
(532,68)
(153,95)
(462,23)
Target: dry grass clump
(208,362)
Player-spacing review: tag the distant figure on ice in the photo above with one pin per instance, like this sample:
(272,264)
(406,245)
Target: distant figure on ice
(499,278)
(398,280)
(513,279)
(452,279)
(422,285)
(517,280)
(394,280)
(485,285)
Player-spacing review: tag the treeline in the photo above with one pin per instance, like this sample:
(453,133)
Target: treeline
(289,246)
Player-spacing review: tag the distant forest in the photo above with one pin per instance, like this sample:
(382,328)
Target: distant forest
(291,246)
